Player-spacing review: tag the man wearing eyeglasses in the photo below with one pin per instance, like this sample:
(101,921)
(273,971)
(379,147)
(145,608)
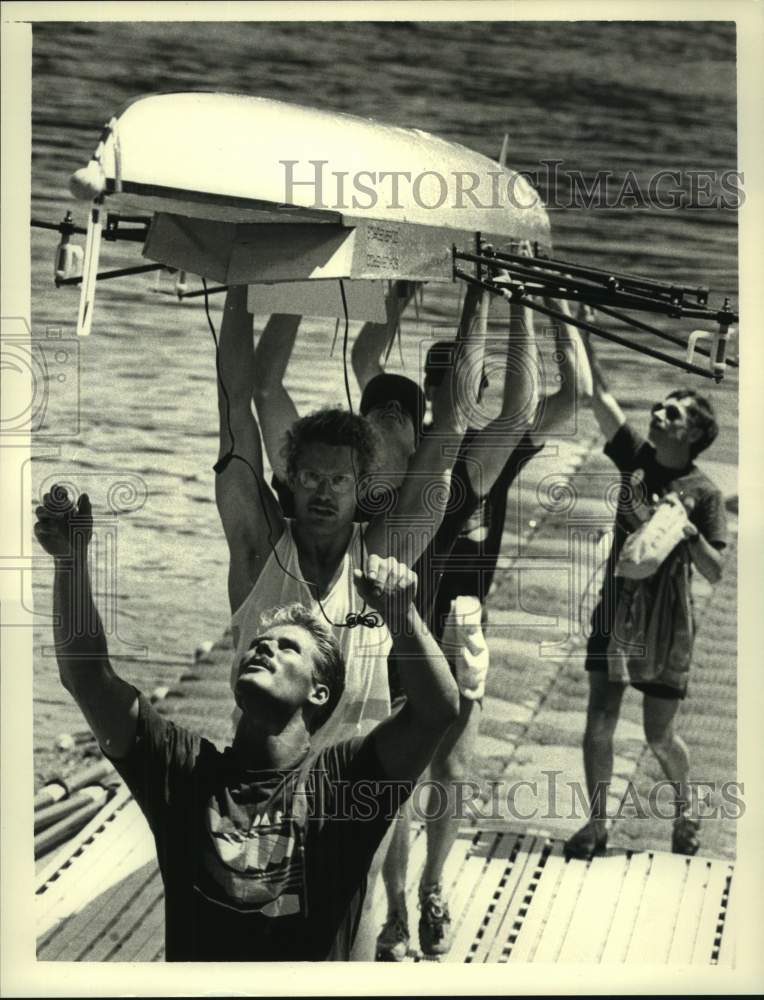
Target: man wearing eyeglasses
(681,426)
(311,556)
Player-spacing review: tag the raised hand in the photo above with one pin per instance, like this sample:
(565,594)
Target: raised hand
(63,528)
(388,587)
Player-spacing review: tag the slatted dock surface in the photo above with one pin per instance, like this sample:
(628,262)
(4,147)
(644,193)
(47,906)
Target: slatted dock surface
(513,898)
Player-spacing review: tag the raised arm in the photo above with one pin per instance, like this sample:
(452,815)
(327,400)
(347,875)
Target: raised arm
(373,340)
(407,740)
(252,520)
(109,704)
(490,448)
(425,488)
(575,374)
(276,411)
(607,411)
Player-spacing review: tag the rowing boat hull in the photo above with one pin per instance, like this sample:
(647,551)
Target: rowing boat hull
(243,159)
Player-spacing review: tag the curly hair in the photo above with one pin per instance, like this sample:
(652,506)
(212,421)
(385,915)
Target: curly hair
(702,414)
(332,426)
(329,666)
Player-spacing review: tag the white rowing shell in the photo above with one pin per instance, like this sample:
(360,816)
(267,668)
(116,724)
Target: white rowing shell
(231,158)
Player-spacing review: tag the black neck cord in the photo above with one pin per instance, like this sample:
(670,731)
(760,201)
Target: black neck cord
(353,619)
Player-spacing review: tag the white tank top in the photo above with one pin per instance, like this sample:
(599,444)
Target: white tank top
(366,698)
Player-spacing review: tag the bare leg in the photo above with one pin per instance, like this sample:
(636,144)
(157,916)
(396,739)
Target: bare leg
(395,867)
(658,716)
(601,720)
(393,939)
(451,769)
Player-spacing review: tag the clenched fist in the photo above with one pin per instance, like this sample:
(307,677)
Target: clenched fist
(61,527)
(387,586)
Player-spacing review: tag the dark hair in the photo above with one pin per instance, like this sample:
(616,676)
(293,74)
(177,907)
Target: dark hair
(386,387)
(329,666)
(703,417)
(334,427)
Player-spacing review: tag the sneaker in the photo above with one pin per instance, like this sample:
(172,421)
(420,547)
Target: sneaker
(393,940)
(434,923)
(684,838)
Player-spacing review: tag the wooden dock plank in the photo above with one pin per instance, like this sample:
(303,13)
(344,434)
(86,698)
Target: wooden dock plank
(711,913)
(658,911)
(456,861)
(127,920)
(100,864)
(555,928)
(540,909)
(690,907)
(147,944)
(476,892)
(512,906)
(632,890)
(476,858)
(49,866)
(78,934)
(595,908)
(121,849)
(417,855)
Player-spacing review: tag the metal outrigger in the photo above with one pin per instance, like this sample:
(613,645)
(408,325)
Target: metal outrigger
(520,278)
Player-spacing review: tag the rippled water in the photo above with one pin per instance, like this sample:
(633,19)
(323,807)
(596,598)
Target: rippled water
(617,96)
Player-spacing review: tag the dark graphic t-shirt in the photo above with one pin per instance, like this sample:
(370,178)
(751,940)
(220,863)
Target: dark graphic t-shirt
(642,478)
(259,865)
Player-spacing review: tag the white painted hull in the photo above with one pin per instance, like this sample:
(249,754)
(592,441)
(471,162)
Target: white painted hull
(226,157)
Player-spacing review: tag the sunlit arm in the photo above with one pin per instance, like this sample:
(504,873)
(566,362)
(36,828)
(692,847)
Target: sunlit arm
(108,703)
(574,370)
(708,560)
(276,411)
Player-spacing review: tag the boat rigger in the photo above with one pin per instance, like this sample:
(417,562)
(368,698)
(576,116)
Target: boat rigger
(295,201)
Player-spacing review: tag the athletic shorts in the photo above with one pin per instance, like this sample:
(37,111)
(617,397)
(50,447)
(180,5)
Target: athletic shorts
(597,659)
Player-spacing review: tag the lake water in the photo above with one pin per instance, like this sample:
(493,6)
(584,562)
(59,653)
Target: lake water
(136,425)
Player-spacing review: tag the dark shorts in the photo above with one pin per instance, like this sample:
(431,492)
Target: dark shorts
(597,659)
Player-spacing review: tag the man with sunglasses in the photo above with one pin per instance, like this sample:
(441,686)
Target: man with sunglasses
(681,426)
(264,848)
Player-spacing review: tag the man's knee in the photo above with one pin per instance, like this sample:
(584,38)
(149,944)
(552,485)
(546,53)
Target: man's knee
(659,739)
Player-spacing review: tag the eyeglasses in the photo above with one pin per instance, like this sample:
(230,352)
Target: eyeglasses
(339,482)
(673,413)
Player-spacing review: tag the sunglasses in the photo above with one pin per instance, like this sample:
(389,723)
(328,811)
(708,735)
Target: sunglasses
(673,413)
(339,482)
